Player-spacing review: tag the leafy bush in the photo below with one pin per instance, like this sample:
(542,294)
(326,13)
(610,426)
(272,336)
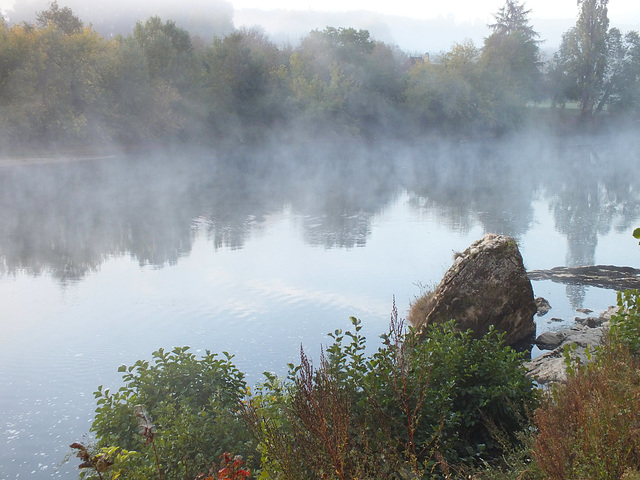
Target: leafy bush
(625,325)
(193,403)
(411,409)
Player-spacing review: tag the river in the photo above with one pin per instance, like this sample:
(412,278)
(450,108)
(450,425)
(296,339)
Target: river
(262,250)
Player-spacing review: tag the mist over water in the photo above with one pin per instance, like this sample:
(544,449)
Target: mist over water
(258,250)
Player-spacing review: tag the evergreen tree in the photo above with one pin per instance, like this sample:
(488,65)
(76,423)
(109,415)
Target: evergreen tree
(511,53)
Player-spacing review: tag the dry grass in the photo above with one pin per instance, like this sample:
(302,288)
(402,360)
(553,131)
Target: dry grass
(590,427)
(419,308)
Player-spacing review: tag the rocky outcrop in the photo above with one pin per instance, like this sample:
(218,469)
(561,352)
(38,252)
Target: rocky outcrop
(486,285)
(587,333)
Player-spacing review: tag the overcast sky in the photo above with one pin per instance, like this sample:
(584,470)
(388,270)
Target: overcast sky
(415,25)
(462,10)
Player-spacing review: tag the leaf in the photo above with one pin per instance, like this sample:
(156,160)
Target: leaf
(636,233)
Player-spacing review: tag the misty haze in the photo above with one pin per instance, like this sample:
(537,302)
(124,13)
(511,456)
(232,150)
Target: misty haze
(168,179)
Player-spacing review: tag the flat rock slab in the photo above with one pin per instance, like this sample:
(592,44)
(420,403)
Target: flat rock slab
(603,276)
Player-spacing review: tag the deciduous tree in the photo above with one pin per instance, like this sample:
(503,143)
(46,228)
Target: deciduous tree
(62,18)
(581,61)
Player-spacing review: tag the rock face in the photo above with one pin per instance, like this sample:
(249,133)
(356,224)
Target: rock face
(486,285)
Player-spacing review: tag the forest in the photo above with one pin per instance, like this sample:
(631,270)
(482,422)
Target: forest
(62,84)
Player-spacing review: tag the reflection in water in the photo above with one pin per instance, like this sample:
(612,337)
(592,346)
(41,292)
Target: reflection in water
(589,204)
(67,219)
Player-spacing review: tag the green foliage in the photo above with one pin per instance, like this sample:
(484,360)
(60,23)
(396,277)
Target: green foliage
(194,404)
(581,62)
(412,408)
(63,84)
(62,18)
(625,324)
(106,462)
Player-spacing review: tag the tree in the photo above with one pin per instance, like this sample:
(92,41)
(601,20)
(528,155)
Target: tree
(511,18)
(512,54)
(62,18)
(166,47)
(621,86)
(239,78)
(581,61)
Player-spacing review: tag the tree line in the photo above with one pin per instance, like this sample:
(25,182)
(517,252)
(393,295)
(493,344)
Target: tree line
(63,83)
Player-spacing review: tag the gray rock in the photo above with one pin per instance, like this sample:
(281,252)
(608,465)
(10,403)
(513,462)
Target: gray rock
(584,336)
(590,322)
(602,276)
(543,306)
(606,315)
(550,367)
(486,285)
(550,340)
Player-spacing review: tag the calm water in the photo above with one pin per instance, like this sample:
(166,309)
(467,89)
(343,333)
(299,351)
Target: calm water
(103,262)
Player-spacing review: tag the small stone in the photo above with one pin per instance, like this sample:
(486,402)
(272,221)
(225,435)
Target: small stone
(586,311)
(543,306)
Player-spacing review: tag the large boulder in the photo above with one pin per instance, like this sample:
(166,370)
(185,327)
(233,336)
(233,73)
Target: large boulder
(486,285)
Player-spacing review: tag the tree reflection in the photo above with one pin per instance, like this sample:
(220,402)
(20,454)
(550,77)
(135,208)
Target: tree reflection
(483,183)
(591,191)
(67,218)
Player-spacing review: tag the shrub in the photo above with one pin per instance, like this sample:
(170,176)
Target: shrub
(193,403)
(411,409)
(625,325)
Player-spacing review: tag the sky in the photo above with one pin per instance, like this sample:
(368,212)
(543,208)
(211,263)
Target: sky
(462,10)
(415,26)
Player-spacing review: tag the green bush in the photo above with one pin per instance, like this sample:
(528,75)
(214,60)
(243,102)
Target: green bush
(194,405)
(413,409)
(625,325)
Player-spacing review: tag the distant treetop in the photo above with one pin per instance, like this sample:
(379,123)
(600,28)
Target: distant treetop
(62,18)
(511,18)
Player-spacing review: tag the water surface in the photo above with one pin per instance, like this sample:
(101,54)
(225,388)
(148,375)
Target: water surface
(257,252)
